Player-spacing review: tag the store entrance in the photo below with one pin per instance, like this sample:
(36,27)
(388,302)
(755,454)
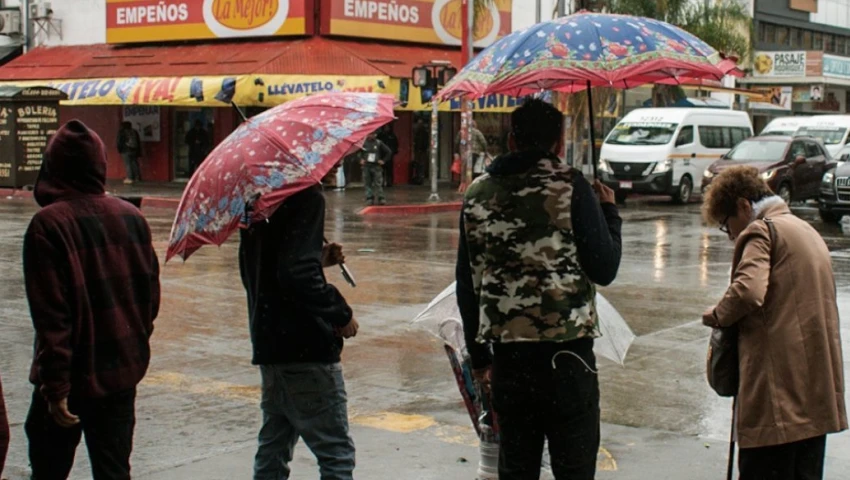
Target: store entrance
(183,121)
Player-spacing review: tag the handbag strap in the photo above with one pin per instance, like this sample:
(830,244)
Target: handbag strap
(772,228)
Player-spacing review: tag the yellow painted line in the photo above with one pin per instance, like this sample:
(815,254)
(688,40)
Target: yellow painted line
(387,421)
(395,422)
(605,461)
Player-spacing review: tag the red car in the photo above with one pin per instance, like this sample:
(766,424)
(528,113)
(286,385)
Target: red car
(792,166)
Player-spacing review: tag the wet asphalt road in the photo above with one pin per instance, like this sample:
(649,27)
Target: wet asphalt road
(198,407)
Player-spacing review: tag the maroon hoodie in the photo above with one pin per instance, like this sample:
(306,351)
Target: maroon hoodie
(92,276)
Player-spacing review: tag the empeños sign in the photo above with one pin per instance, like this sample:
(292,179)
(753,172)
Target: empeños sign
(129,21)
(424,21)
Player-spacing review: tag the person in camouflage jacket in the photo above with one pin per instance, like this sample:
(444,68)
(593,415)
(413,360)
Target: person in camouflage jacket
(535,239)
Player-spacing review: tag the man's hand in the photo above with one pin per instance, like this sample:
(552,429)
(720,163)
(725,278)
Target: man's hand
(362,163)
(483,376)
(605,194)
(59,411)
(349,330)
(332,255)
(709,319)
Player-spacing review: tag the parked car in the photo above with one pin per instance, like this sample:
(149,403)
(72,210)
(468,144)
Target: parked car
(834,199)
(792,166)
(843,155)
(666,150)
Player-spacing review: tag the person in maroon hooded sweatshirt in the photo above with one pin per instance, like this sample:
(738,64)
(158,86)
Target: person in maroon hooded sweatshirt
(92,281)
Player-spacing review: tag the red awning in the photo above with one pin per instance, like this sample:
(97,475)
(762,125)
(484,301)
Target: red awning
(310,56)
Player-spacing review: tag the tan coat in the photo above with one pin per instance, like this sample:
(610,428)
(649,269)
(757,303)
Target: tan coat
(792,379)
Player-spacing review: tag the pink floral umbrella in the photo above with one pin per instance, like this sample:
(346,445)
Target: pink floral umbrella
(269,158)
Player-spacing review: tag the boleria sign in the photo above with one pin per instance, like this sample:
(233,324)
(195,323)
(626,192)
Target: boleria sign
(424,21)
(132,21)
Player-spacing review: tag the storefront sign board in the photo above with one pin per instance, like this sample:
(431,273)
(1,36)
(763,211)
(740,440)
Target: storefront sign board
(132,21)
(421,21)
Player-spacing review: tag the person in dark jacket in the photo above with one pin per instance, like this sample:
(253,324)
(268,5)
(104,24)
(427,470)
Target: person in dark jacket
(534,241)
(198,141)
(130,148)
(373,156)
(92,282)
(298,322)
(389,138)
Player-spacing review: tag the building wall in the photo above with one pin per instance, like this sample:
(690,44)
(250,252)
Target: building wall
(83,22)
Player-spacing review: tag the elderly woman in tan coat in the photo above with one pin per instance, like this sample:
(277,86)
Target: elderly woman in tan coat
(782,299)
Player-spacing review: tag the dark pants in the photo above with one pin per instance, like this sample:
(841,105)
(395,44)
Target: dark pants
(792,461)
(388,172)
(131,166)
(534,402)
(4,431)
(108,424)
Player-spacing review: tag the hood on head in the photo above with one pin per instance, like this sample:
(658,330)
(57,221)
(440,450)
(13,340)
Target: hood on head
(74,165)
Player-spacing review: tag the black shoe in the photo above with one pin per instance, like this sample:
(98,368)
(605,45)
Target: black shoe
(370,202)
(382,202)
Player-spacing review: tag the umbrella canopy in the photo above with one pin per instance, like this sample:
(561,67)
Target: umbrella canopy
(442,318)
(584,50)
(269,158)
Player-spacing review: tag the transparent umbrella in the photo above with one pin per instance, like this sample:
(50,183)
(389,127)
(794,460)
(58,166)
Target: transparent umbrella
(441,318)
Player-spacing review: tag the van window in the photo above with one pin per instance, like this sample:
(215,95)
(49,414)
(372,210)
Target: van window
(642,133)
(828,135)
(722,137)
(686,136)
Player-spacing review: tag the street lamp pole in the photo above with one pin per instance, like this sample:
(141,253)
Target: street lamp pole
(428,78)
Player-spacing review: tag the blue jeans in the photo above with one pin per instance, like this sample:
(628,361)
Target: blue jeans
(305,400)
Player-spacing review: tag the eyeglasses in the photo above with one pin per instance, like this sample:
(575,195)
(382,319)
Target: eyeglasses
(723,225)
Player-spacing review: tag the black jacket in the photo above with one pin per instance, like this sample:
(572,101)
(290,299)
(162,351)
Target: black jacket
(599,242)
(292,309)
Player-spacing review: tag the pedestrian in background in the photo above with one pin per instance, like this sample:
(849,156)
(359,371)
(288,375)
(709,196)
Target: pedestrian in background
(782,300)
(478,150)
(130,148)
(198,141)
(534,240)
(92,282)
(373,157)
(298,322)
(421,150)
(388,137)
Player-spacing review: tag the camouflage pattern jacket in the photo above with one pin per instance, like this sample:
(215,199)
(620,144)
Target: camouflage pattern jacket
(520,262)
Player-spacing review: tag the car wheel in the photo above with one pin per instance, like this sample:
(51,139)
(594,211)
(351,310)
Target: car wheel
(784,193)
(620,197)
(685,190)
(829,217)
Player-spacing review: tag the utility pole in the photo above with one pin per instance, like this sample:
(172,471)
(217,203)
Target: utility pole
(467,16)
(538,13)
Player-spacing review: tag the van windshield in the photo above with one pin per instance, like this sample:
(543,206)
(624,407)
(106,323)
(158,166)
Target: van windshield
(642,133)
(756,150)
(828,135)
(783,133)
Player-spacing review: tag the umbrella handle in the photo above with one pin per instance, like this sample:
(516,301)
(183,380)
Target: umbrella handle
(346,273)
(239,111)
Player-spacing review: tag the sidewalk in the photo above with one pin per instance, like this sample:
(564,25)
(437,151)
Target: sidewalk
(635,454)
(401,200)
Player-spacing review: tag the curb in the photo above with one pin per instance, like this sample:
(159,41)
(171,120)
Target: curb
(412,209)
(141,202)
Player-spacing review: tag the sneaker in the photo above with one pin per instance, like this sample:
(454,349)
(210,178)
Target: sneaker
(127,181)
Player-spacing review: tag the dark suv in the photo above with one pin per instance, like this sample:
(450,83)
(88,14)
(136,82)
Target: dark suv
(792,166)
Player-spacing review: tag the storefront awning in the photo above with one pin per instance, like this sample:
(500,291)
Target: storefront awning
(250,73)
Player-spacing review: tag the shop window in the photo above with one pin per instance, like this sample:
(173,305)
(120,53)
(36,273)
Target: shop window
(807,40)
(840,44)
(829,43)
(770,33)
(783,36)
(762,33)
(817,43)
(796,37)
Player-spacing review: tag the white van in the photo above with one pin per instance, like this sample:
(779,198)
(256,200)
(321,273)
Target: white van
(829,129)
(666,150)
(784,126)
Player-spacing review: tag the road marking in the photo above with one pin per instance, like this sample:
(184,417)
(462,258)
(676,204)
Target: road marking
(387,421)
